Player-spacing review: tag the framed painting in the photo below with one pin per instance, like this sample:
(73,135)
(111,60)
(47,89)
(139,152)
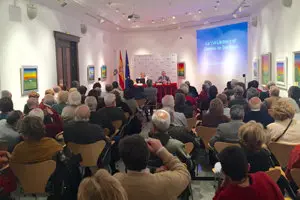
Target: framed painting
(297,68)
(281,73)
(29,79)
(104,71)
(181,69)
(266,68)
(91,73)
(255,69)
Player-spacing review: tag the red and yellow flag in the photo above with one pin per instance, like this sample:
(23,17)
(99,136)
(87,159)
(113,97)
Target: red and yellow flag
(121,72)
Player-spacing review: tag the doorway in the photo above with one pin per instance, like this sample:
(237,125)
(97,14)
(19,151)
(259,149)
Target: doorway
(66,58)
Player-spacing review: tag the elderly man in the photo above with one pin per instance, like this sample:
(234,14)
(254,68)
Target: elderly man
(80,131)
(32,103)
(228,132)
(238,97)
(74,100)
(105,116)
(6,93)
(138,182)
(163,78)
(179,118)
(265,94)
(274,97)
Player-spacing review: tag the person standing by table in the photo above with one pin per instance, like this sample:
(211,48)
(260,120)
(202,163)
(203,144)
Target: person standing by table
(163,78)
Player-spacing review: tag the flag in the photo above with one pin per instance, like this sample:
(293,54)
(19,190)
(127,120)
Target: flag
(127,71)
(121,72)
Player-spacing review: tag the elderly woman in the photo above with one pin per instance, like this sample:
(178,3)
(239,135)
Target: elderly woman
(203,101)
(224,99)
(62,100)
(189,99)
(252,137)
(285,128)
(182,107)
(36,147)
(179,118)
(238,97)
(274,96)
(32,94)
(257,114)
(74,100)
(215,116)
(6,106)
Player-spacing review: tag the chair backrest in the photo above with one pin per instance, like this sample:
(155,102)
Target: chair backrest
(206,133)
(89,152)
(274,174)
(191,123)
(282,152)
(219,146)
(189,147)
(33,177)
(296,176)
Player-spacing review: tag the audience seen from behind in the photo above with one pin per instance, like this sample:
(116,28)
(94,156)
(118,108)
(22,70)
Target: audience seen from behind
(138,182)
(74,100)
(179,118)
(257,114)
(185,90)
(239,184)
(203,100)
(192,90)
(117,88)
(228,132)
(182,106)
(285,128)
(294,93)
(274,96)
(35,147)
(101,186)
(33,97)
(9,129)
(82,90)
(6,106)
(6,93)
(238,98)
(215,115)
(151,96)
(120,104)
(224,100)
(265,94)
(62,100)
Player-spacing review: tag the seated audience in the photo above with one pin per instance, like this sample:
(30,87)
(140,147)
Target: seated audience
(50,91)
(62,100)
(257,114)
(108,88)
(36,147)
(117,88)
(252,137)
(151,96)
(80,131)
(182,107)
(75,84)
(130,101)
(56,90)
(239,184)
(138,182)
(192,90)
(9,129)
(82,90)
(91,102)
(265,93)
(6,106)
(238,97)
(252,92)
(32,94)
(74,100)
(294,93)
(101,186)
(137,92)
(212,93)
(32,103)
(295,106)
(105,116)
(228,132)
(285,128)
(179,118)
(254,84)
(215,115)
(6,93)
(224,100)
(73,89)
(120,104)
(228,91)
(189,99)
(274,96)
(203,100)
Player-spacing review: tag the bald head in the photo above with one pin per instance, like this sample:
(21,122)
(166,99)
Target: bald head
(161,120)
(82,113)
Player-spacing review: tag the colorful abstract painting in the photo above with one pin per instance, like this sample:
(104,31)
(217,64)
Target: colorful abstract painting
(255,69)
(29,78)
(91,73)
(281,75)
(181,69)
(104,71)
(266,68)
(297,68)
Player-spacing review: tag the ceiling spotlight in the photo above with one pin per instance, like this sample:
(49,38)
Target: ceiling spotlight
(129,19)
(218,3)
(240,9)
(31,11)
(199,11)
(234,15)
(163,19)
(173,17)
(153,22)
(206,22)
(123,15)
(117,10)
(216,8)
(102,21)
(188,13)
(118,28)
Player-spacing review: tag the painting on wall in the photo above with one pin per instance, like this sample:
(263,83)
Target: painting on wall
(29,79)
(266,67)
(255,69)
(297,68)
(281,73)
(104,71)
(91,73)
(181,69)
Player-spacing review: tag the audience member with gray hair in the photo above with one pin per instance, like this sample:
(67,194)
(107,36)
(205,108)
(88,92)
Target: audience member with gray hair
(228,132)
(182,107)
(80,131)
(49,100)
(32,103)
(62,100)
(238,97)
(265,94)
(274,97)
(151,96)
(9,129)
(74,100)
(91,102)
(179,118)
(37,112)
(252,92)
(192,90)
(6,93)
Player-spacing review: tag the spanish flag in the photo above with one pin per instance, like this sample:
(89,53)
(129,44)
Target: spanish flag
(121,72)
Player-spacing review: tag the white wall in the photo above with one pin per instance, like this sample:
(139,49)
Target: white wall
(31,42)
(278,32)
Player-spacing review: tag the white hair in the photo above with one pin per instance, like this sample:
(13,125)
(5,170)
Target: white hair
(91,102)
(161,120)
(68,113)
(168,101)
(185,88)
(49,99)
(82,113)
(5,93)
(37,112)
(74,98)
(110,100)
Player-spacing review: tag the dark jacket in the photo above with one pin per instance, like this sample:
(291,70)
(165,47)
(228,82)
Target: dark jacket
(187,110)
(83,133)
(262,117)
(193,91)
(183,135)
(259,161)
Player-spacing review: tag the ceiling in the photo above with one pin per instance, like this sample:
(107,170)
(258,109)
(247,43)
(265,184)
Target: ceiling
(154,14)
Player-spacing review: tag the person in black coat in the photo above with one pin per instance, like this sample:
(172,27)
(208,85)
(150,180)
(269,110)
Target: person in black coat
(80,131)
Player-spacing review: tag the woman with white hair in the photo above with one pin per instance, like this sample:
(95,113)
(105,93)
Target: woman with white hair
(62,100)
(179,118)
(74,100)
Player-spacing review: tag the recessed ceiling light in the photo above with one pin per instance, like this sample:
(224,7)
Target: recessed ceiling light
(123,14)
(163,19)
(206,22)
(102,21)
(199,11)
(173,17)
(117,10)
(118,28)
(153,22)
(188,13)
(234,15)
(128,19)
(216,8)
(218,3)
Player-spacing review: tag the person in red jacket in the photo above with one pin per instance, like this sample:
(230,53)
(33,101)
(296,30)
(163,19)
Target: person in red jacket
(294,162)
(8,181)
(238,184)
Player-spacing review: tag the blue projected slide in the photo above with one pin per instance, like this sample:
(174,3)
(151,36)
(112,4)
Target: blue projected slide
(223,50)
